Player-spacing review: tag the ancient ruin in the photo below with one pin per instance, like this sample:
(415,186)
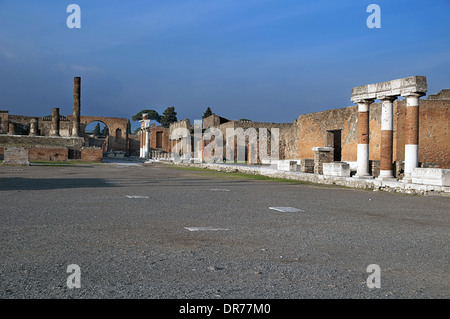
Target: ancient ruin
(390,140)
(59,138)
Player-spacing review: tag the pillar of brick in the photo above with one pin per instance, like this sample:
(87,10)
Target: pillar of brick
(411,135)
(387,143)
(322,155)
(55,122)
(363,139)
(33,127)
(76,106)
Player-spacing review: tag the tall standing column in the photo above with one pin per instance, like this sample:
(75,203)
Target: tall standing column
(76,106)
(411,135)
(141,143)
(363,138)
(387,142)
(55,122)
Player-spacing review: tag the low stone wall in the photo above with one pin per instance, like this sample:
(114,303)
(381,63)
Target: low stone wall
(289,166)
(431,176)
(92,154)
(15,156)
(336,169)
(73,144)
(306,165)
(368,184)
(48,154)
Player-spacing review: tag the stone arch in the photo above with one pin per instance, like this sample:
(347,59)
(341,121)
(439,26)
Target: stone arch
(115,125)
(85,125)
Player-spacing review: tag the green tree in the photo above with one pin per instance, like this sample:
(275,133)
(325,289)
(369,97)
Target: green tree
(96,131)
(207,113)
(105,131)
(152,115)
(169,116)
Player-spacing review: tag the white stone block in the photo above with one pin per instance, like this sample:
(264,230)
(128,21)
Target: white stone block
(322,149)
(336,169)
(288,166)
(431,176)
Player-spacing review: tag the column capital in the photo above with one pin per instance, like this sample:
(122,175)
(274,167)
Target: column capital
(415,94)
(363,105)
(365,101)
(387,98)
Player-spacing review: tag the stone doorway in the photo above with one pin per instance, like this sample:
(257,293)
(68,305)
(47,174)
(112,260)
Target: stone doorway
(334,140)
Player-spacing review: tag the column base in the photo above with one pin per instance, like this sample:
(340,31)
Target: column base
(406,179)
(387,179)
(363,176)
(386,175)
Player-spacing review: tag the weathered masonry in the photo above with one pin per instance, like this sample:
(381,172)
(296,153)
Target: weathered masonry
(342,130)
(412,88)
(57,137)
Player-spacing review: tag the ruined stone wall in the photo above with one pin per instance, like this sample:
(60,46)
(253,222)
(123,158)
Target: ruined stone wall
(4,115)
(117,126)
(134,144)
(15,156)
(434,132)
(73,145)
(181,124)
(287,137)
(434,142)
(154,131)
(213,121)
(92,154)
(48,154)
(312,131)
(45,126)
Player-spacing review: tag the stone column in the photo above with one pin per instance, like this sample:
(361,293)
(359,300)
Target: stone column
(33,127)
(76,106)
(55,122)
(387,142)
(11,129)
(145,150)
(411,135)
(141,143)
(146,144)
(363,139)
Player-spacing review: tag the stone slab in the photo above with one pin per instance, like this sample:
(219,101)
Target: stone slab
(288,166)
(431,176)
(404,86)
(336,169)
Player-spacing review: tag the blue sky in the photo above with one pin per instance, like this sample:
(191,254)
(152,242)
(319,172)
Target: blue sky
(264,60)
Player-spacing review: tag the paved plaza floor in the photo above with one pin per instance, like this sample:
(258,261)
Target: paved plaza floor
(156,231)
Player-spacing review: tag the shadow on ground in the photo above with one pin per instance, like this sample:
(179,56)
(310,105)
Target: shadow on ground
(19,183)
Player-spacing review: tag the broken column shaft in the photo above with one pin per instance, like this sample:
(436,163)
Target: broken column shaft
(76,106)
(55,122)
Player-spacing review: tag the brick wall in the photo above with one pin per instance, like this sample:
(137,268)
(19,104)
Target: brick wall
(48,154)
(434,141)
(154,131)
(92,154)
